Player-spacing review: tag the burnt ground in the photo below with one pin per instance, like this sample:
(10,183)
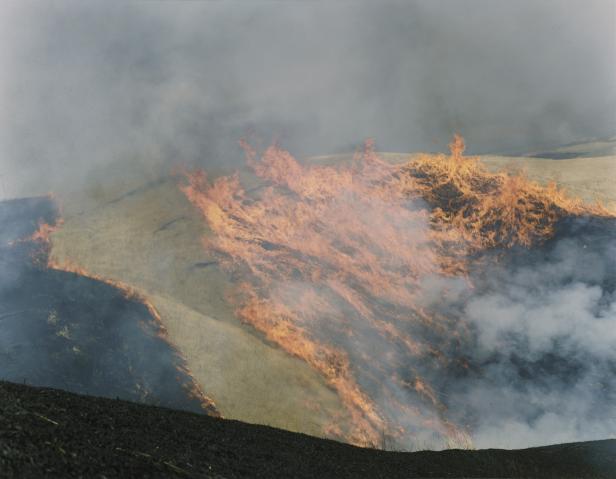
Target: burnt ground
(63,330)
(52,433)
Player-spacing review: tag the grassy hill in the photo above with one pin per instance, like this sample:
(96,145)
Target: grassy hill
(147,235)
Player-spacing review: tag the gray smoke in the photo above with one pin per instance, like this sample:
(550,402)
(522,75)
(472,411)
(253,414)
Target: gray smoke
(96,85)
(544,325)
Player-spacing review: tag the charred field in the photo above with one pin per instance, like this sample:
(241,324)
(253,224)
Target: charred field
(68,331)
(52,433)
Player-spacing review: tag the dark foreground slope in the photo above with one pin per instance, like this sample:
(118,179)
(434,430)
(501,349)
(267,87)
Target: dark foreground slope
(52,433)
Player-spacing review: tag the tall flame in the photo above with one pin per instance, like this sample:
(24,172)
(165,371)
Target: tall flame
(331,261)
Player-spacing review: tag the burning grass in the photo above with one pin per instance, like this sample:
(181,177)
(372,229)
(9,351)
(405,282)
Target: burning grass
(329,263)
(490,210)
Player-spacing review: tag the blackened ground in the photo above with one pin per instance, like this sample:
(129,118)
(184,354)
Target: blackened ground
(63,330)
(52,433)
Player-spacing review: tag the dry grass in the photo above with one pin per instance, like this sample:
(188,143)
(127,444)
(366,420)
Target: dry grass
(150,239)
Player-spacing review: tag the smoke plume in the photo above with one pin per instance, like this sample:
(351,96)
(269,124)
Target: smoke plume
(92,88)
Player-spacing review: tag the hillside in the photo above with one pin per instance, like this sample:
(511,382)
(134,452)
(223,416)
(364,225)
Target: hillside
(147,235)
(51,433)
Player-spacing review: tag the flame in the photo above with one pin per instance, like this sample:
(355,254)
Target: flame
(332,259)
(43,236)
(491,210)
(44,231)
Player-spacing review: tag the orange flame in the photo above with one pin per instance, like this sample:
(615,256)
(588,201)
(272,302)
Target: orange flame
(491,209)
(332,258)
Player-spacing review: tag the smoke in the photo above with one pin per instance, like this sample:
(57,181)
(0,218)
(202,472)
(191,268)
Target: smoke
(544,323)
(102,87)
(542,348)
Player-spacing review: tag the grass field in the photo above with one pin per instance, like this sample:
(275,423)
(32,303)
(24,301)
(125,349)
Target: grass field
(144,232)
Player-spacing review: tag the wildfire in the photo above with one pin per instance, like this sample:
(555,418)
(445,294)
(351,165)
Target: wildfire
(332,260)
(491,209)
